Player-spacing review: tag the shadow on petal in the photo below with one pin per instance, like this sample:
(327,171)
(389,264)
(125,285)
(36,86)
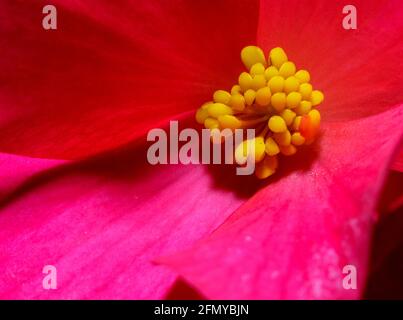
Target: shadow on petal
(181,290)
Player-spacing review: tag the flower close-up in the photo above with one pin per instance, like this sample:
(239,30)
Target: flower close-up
(320,216)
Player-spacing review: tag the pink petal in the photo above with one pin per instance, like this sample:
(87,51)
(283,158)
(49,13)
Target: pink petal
(112,69)
(16,170)
(293,238)
(360,71)
(102,222)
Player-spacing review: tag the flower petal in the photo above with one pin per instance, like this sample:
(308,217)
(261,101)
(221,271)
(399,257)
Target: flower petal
(293,238)
(111,70)
(360,71)
(16,170)
(101,223)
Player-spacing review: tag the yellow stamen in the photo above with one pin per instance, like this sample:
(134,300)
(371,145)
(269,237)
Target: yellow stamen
(263,96)
(303,76)
(251,55)
(230,122)
(297,139)
(305,89)
(277,57)
(250,96)
(211,123)
(221,96)
(267,167)
(245,81)
(278,101)
(257,68)
(271,72)
(236,88)
(237,102)
(288,150)
(282,138)
(296,123)
(293,99)
(316,97)
(201,115)
(303,108)
(287,69)
(218,109)
(259,81)
(271,147)
(272,97)
(276,84)
(277,124)
(288,116)
(244,151)
(291,84)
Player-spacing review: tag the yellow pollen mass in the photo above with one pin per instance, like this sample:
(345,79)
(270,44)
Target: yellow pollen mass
(237,102)
(317,97)
(288,116)
(272,97)
(211,123)
(303,108)
(271,147)
(218,109)
(250,96)
(277,57)
(305,90)
(303,76)
(296,123)
(230,122)
(271,72)
(282,138)
(293,99)
(263,96)
(276,84)
(253,149)
(278,101)
(277,124)
(297,139)
(257,68)
(291,84)
(245,81)
(236,88)
(267,167)
(251,55)
(258,81)
(221,96)
(287,69)
(288,150)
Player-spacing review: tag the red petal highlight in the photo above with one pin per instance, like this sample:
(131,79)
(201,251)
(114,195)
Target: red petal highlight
(359,71)
(111,70)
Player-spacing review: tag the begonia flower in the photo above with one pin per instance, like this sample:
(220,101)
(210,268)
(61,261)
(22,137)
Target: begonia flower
(77,192)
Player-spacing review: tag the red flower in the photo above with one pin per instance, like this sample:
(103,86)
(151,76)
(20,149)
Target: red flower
(85,94)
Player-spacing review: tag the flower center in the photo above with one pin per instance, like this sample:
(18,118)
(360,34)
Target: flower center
(273,98)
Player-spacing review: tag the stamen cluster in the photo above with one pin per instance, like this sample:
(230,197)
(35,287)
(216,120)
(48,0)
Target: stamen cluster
(272,97)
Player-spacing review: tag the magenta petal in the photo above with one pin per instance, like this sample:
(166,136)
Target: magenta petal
(16,169)
(293,238)
(101,223)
